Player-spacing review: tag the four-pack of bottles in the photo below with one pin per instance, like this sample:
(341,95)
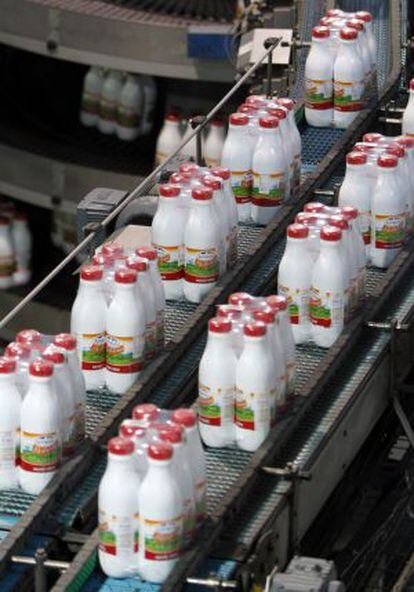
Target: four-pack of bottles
(15,247)
(118,316)
(118,103)
(152,496)
(322,272)
(340,70)
(247,371)
(43,408)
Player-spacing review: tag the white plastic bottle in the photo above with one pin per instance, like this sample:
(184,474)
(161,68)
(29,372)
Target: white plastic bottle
(130,429)
(67,342)
(407,143)
(351,215)
(213,145)
(22,247)
(118,511)
(270,172)
(40,435)
(145,295)
(405,182)
(6,254)
(88,325)
(108,103)
(175,435)
(222,218)
(388,209)
(20,354)
(356,190)
(91,93)
(130,107)
(167,235)
(327,305)
(296,139)
(10,401)
(169,138)
(279,304)
(225,175)
(190,149)
(319,80)
(294,280)
(366,17)
(202,245)
(151,257)
(187,419)
(160,520)
(237,156)
(217,386)
(63,388)
(364,50)
(145,414)
(149,89)
(349,261)
(125,328)
(349,85)
(254,374)
(288,147)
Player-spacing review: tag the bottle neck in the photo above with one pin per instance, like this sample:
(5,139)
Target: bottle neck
(219,340)
(167,203)
(235,131)
(330,246)
(39,386)
(90,287)
(356,170)
(124,292)
(7,379)
(254,343)
(295,245)
(120,463)
(159,468)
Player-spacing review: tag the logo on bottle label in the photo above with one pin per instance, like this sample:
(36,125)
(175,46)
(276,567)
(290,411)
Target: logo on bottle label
(124,354)
(170,262)
(108,109)
(319,94)
(92,347)
(348,96)
(252,410)
(241,183)
(7,266)
(298,304)
(162,539)
(118,535)
(268,190)
(327,309)
(215,406)
(39,453)
(201,265)
(9,450)
(389,231)
(90,102)
(128,117)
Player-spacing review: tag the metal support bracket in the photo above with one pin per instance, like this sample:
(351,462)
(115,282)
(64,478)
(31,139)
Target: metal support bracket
(214,582)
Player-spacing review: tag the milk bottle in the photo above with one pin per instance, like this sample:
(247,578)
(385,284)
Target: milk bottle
(294,280)
(282,114)
(327,304)
(349,262)
(20,354)
(349,84)
(319,80)
(145,300)
(216,386)
(356,190)
(408,144)
(129,109)
(130,429)
(6,254)
(11,401)
(63,388)
(366,17)
(388,209)
(167,232)
(222,219)
(91,93)
(270,172)
(151,257)
(190,149)
(67,342)
(202,244)
(296,139)
(283,327)
(125,328)
(351,215)
(408,116)
(225,175)
(145,414)
(405,181)
(174,435)
(169,138)
(363,48)
(88,324)
(254,374)
(237,156)
(149,89)
(188,420)
(160,520)
(108,102)
(40,430)
(22,247)
(118,511)
(213,145)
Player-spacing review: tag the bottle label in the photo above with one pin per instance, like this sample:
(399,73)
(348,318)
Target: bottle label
(162,539)
(241,183)
(365,226)
(268,190)
(215,406)
(150,346)
(9,450)
(90,102)
(108,109)
(118,535)
(7,266)
(298,304)
(201,500)
(128,117)
(348,96)
(201,265)
(124,354)
(326,308)
(170,262)
(319,94)
(389,231)
(92,347)
(252,410)
(40,453)
(79,423)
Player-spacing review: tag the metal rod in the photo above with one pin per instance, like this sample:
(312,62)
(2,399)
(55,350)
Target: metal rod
(48,563)
(269,75)
(212,582)
(389,120)
(40,579)
(146,183)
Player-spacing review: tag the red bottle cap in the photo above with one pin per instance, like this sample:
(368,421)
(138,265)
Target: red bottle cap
(160,451)
(29,337)
(169,190)
(217,122)
(372,137)
(125,276)
(339,222)
(257,329)
(18,350)
(240,299)
(65,341)
(121,446)
(172,436)
(405,141)
(221,172)
(412,84)
(355,24)
(277,111)
(219,325)
(365,16)
(331,233)
(285,102)
(305,218)
(297,231)
(172,117)
(202,193)
(314,207)
(269,122)
(41,368)
(129,430)
(334,12)
(266,315)
(184,417)
(356,158)
(147,253)
(91,273)
(111,248)
(277,302)
(247,109)
(178,179)
(348,34)
(188,167)
(387,161)
(320,32)
(52,354)
(238,119)
(145,411)
(7,365)
(214,183)
(349,212)
(225,311)
(396,150)
(136,264)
